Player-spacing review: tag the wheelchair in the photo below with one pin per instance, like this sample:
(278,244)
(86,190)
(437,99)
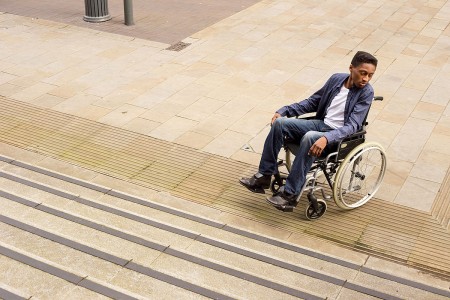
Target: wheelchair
(353,170)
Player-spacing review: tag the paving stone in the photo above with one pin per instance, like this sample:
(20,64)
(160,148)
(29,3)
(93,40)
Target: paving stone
(141,125)
(71,189)
(406,272)
(419,192)
(394,289)
(122,115)
(173,128)
(411,140)
(252,122)
(248,157)
(61,167)
(90,237)
(150,288)
(55,252)
(48,101)
(158,215)
(194,140)
(147,257)
(262,270)
(226,144)
(117,99)
(201,109)
(228,285)
(33,92)
(437,143)
(83,293)
(252,62)
(434,172)
(353,295)
(9,89)
(32,281)
(20,154)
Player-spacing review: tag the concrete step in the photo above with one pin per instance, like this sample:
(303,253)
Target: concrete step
(195,253)
(8,292)
(169,221)
(381,228)
(172,262)
(89,262)
(43,279)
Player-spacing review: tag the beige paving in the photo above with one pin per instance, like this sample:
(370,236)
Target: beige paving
(388,231)
(218,94)
(39,284)
(171,171)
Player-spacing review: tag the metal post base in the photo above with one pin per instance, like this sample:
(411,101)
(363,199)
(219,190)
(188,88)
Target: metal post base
(96,11)
(97,19)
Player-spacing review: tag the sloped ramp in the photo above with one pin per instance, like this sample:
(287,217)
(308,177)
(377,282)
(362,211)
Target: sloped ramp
(378,228)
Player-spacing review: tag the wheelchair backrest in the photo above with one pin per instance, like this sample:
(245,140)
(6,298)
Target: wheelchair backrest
(376,98)
(347,145)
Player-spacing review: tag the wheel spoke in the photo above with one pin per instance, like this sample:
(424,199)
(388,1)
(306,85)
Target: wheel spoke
(359,176)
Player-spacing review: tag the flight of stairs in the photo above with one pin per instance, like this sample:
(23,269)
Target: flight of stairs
(88,236)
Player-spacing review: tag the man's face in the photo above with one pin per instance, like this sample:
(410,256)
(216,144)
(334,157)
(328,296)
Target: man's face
(362,74)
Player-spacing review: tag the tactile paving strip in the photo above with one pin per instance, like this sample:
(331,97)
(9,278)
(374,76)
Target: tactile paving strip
(379,227)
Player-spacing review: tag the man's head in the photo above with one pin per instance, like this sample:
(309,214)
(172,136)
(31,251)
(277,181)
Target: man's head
(362,68)
(362,57)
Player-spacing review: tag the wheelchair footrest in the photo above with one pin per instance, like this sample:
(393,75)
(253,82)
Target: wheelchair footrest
(286,208)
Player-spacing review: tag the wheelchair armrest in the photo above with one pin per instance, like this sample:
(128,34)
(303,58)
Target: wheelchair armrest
(357,134)
(308,117)
(349,143)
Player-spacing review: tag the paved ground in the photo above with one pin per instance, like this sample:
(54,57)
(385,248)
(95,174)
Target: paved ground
(165,21)
(380,228)
(70,232)
(218,94)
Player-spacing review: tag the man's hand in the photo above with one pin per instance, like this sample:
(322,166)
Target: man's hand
(317,148)
(275,116)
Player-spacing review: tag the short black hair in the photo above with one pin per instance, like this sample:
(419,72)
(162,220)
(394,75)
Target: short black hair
(362,57)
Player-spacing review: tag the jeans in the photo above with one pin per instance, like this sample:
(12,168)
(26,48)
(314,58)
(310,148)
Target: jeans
(302,131)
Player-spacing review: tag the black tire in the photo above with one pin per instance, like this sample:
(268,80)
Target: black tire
(311,214)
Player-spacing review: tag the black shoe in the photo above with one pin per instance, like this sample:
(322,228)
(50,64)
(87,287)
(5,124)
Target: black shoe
(283,201)
(257,183)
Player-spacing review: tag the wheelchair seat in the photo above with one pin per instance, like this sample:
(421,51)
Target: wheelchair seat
(294,148)
(341,149)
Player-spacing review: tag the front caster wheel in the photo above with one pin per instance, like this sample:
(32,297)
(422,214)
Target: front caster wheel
(312,214)
(277,184)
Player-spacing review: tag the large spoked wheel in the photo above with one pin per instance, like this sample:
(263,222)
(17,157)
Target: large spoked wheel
(312,214)
(359,176)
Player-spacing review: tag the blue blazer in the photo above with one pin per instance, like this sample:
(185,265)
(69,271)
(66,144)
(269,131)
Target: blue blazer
(356,107)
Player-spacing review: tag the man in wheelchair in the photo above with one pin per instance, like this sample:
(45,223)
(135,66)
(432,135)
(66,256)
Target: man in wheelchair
(341,106)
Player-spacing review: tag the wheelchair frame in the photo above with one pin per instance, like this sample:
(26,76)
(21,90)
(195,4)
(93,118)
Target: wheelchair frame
(349,159)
